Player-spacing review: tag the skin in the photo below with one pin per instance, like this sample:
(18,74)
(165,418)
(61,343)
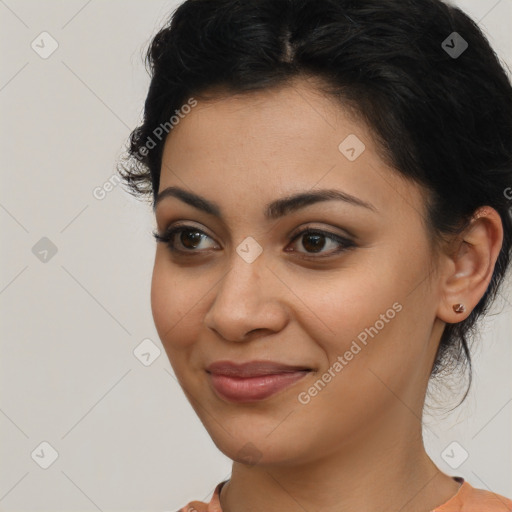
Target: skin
(357,445)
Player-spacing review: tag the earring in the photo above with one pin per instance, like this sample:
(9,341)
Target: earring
(459,308)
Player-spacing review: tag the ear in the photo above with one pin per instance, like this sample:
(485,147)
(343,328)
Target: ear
(469,265)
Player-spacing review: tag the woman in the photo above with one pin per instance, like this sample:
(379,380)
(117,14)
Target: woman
(329,185)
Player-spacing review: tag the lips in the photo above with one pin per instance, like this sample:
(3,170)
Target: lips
(252,368)
(252,381)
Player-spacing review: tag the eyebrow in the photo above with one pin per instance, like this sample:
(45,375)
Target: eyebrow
(273,210)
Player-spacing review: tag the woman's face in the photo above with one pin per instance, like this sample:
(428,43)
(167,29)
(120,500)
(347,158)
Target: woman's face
(360,312)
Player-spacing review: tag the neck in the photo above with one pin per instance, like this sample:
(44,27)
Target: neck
(387,470)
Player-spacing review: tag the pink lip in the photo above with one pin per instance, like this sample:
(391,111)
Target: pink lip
(252,381)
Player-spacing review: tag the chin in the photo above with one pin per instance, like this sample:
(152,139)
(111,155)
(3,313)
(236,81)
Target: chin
(258,449)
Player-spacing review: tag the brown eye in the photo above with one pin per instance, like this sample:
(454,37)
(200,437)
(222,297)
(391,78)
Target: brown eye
(188,241)
(314,241)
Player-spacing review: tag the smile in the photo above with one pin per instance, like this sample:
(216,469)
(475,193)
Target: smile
(252,389)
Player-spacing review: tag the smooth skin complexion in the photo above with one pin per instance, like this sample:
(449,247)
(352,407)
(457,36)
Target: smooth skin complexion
(357,445)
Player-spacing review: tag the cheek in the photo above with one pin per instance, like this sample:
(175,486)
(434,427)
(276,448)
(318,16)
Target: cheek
(175,304)
(373,356)
(163,299)
(371,321)
(340,306)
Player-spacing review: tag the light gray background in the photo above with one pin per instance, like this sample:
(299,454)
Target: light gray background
(126,437)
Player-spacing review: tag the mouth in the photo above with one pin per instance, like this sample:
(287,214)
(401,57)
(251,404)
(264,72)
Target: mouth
(252,381)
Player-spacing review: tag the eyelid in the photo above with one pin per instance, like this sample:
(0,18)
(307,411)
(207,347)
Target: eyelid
(186,224)
(345,243)
(326,230)
(175,229)
(299,230)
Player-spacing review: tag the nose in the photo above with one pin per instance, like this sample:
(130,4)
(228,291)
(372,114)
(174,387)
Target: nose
(249,300)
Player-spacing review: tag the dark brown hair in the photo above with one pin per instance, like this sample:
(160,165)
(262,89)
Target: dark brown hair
(420,73)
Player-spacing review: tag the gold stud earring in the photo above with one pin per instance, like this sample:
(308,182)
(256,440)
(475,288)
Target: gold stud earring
(459,308)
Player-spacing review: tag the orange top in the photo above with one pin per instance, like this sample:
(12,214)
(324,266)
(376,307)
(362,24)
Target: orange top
(467,499)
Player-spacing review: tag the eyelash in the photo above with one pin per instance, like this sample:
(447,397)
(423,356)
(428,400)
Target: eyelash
(168,238)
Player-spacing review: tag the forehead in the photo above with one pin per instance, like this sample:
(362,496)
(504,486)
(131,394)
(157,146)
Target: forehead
(266,144)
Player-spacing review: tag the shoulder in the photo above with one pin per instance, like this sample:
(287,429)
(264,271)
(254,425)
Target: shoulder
(471,499)
(201,506)
(482,500)
(195,506)
(467,499)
